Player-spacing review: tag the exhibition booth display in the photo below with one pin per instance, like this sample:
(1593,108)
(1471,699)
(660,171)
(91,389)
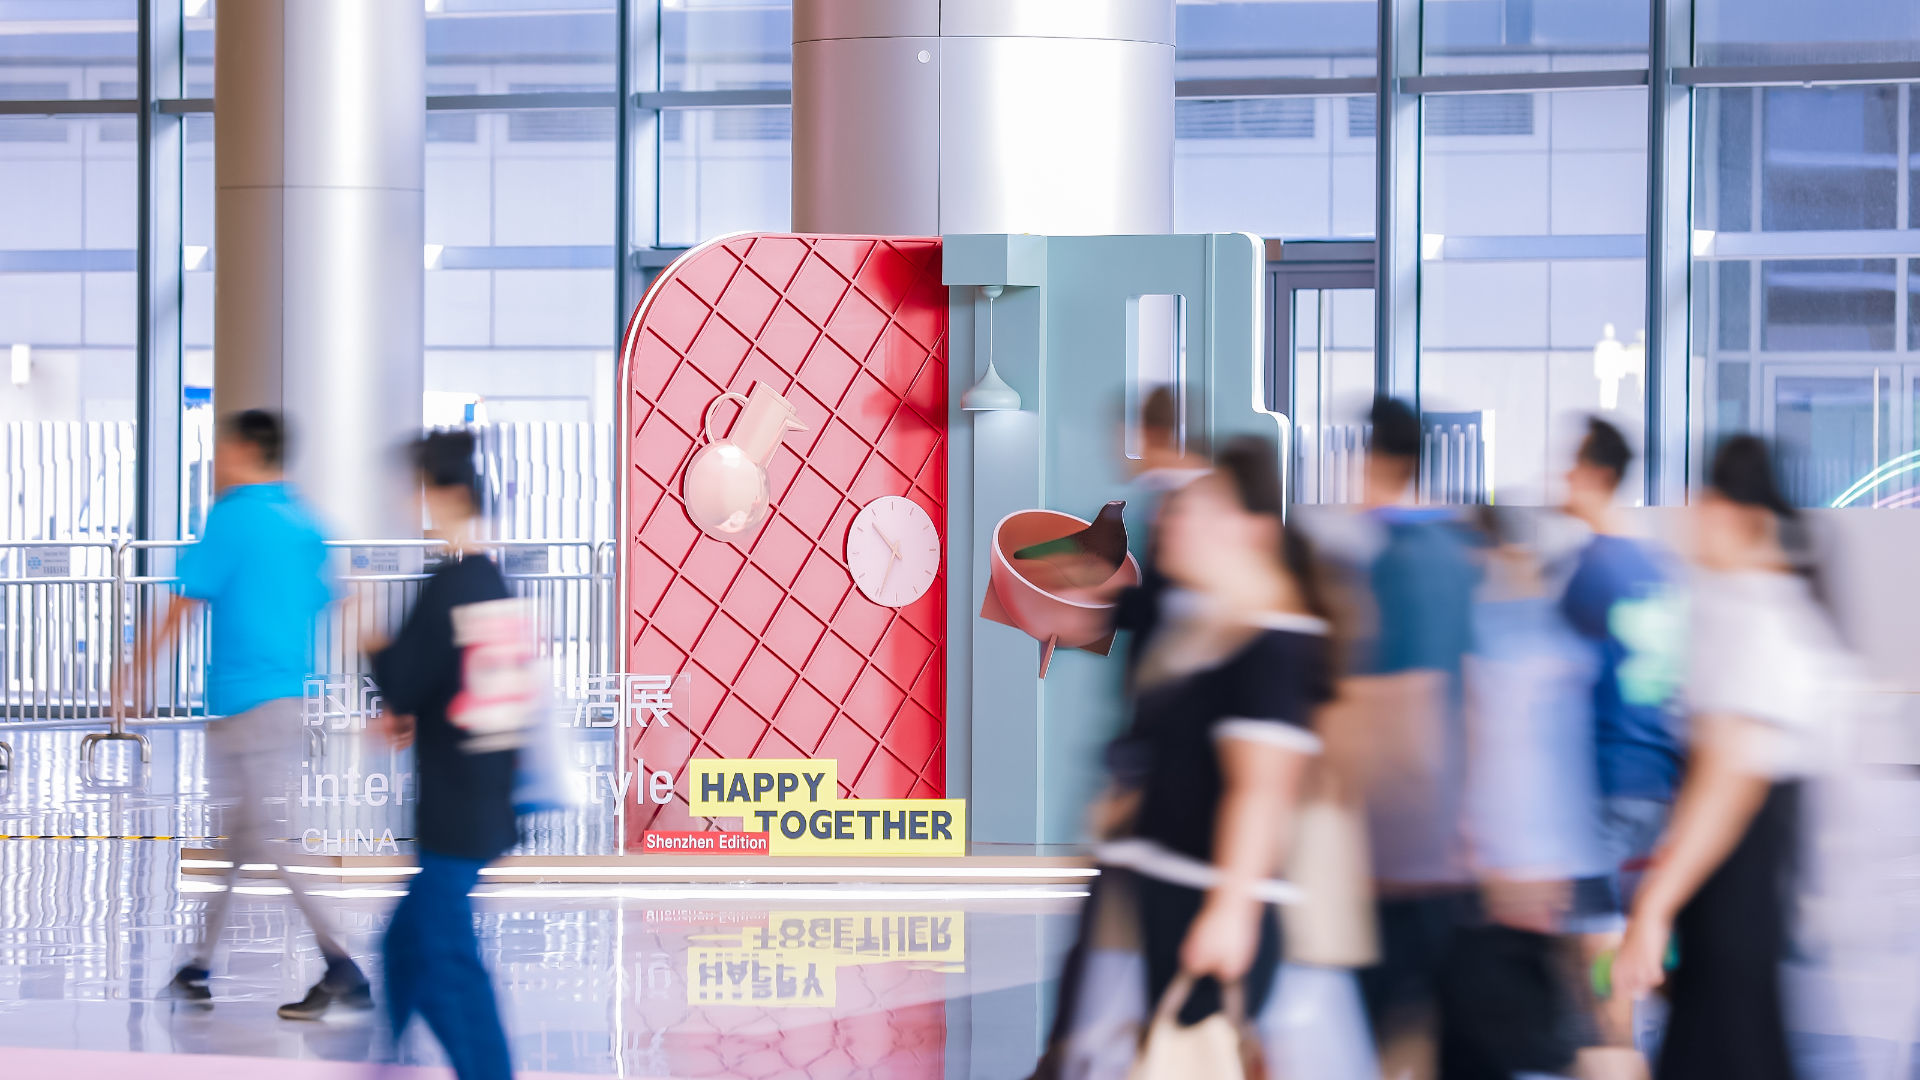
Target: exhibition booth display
(844,653)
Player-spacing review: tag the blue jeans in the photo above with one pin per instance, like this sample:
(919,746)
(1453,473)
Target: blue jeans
(433,967)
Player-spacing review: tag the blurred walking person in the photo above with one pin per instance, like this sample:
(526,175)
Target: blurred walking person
(260,567)
(1209,774)
(1532,814)
(1622,599)
(458,684)
(1164,466)
(1765,662)
(1416,571)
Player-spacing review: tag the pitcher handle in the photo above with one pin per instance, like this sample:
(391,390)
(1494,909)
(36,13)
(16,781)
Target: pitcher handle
(706,425)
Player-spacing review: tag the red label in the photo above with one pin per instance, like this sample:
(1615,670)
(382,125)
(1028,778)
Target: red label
(704,843)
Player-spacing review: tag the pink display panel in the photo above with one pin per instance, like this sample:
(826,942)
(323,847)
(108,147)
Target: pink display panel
(788,659)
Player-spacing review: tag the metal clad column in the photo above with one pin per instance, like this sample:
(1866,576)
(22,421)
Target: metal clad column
(320,116)
(915,117)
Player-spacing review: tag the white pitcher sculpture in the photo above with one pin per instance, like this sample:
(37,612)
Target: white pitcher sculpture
(726,482)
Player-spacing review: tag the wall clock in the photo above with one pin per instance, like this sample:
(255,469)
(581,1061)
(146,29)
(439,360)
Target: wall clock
(893,551)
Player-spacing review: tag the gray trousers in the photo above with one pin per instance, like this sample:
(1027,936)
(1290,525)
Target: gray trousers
(250,763)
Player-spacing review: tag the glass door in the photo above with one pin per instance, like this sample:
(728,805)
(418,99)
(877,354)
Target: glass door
(1320,361)
(1837,427)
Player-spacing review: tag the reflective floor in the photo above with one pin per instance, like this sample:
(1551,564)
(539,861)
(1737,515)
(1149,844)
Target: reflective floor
(822,982)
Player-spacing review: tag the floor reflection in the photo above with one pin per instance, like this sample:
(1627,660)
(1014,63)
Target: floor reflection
(821,982)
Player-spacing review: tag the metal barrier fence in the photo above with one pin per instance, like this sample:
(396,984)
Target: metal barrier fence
(68,482)
(71,614)
(1456,460)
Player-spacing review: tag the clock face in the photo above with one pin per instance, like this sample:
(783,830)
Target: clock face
(893,551)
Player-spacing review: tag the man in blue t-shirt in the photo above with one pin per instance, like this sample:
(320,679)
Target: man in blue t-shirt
(260,568)
(1623,600)
(1410,573)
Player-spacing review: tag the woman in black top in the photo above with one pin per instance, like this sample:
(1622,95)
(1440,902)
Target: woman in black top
(1208,776)
(455,682)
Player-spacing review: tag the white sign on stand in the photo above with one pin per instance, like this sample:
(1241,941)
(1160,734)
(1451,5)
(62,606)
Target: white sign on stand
(49,562)
(376,560)
(527,562)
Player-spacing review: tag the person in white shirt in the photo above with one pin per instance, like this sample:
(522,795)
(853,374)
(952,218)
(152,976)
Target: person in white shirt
(1766,658)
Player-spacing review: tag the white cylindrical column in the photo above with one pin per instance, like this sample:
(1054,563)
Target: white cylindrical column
(319,120)
(918,117)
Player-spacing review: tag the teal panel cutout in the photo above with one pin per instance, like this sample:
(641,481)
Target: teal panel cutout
(1070,332)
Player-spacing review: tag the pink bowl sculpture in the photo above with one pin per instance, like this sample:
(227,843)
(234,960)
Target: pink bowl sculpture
(1034,596)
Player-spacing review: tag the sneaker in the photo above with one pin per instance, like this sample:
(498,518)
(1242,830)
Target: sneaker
(329,995)
(190,984)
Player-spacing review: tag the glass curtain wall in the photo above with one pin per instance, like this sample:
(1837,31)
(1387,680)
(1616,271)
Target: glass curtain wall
(69,184)
(1274,125)
(575,145)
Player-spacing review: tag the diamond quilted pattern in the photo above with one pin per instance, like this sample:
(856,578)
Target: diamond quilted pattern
(875,701)
(647,579)
(829,371)
(647,377)
(653,652)
(884,774)
(914,736)
(879,477)
(752,600)
(891,273)
(718,352)
(902,656)
(683,614)
(809,502)
(774,259)
(899,361)
(788,337)
(712,567)
(709,278)
(765,682)
(834,667)
(669,534)
(874,409)
(844,255)
(793,635)
(678,317)
(724,647)
(688,394)
(663,446)
(910,442)
(857,324)
(789,658)
(736,730)
(780,550)
(863,623)
(823,582)
(816,291)
(850,746)
(748,303)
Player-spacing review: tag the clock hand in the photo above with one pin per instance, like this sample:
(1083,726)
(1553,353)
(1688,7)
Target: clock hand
(885,539)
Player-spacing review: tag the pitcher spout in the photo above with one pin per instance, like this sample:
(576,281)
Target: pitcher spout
(763,420)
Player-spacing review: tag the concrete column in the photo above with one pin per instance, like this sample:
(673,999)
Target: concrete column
(319,122)
(925,117)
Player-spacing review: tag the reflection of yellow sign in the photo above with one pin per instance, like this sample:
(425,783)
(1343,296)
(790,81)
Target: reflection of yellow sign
(797,804)
(793,961)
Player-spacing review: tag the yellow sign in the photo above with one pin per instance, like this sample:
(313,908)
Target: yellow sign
(797,804)
(794,960)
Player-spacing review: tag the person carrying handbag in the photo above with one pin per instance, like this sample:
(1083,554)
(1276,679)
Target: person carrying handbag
(460,683)
(1209,775)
